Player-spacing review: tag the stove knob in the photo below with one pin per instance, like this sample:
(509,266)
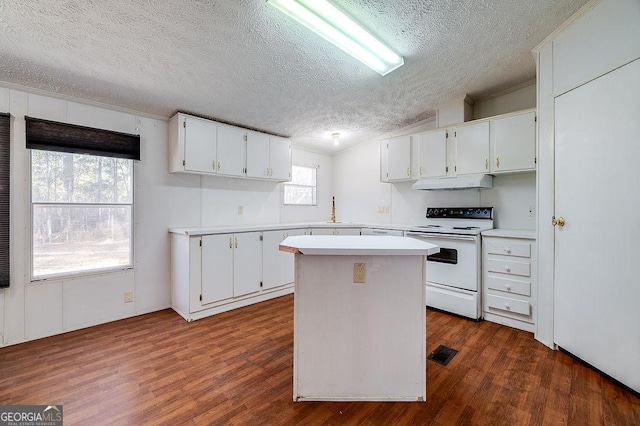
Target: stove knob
(429,212)
(486,212)
(478,211)
(436,211)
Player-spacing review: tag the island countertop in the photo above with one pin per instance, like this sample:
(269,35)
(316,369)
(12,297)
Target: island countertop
(363,245)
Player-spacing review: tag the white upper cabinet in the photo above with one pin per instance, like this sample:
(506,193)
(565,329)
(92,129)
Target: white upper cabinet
(257,155)
(399,158)
(430,150)
(198,145)
(268,157)
(582,52)
(513,141)
(280,158)
(472,148)
(231,150)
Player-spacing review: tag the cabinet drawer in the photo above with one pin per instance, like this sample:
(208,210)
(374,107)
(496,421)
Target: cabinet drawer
(508,248)
(508,304)
(508,267)
(510,286)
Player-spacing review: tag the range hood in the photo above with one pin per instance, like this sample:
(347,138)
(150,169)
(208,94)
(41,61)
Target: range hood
(455,182)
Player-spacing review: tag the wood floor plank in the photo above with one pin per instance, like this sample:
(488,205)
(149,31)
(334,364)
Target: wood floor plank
(236,368)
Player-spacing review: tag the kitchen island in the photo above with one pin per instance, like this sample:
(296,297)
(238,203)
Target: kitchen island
(359,318)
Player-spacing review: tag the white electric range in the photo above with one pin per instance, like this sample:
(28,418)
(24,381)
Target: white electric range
(454,274)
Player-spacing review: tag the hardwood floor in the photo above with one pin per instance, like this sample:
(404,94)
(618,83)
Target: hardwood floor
(236,368)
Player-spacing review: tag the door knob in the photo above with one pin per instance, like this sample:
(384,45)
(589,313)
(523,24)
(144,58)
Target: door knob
(559,221)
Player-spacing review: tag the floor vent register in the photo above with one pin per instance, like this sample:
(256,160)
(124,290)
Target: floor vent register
(442,355)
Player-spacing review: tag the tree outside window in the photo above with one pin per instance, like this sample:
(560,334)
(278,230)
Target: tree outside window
(301,190)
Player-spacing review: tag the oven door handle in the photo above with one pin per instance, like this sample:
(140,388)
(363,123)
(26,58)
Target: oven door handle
(441,236)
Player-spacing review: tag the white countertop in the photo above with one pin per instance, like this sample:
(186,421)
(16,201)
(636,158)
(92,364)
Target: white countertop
(510,233)
(364,245)
(208,230)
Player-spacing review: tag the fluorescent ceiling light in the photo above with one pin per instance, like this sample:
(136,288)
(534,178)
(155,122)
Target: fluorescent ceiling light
(326,20)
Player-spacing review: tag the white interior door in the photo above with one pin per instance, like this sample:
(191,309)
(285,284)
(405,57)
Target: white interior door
(597,278)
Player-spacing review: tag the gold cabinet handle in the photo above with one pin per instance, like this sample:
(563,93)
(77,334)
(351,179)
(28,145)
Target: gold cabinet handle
(219,165)
(408,171)
(213,165)
(486,164)
(497,162)
(230,242)
(420,170)
(558,222)
(236,239)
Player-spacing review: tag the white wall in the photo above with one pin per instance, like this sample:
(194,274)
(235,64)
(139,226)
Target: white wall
(325,189)
(162,200)
(515,99)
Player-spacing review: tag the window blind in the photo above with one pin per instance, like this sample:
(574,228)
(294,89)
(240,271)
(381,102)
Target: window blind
(5,187)
(55,136)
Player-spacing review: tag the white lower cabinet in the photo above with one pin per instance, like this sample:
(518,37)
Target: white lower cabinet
(335,231)
(218,272)
(508,281)
(277,266)
(247,263)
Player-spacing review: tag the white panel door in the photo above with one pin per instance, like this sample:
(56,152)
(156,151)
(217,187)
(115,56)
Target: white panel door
(597,284)
(231,151)
(199,145)
(472,148)
(432,147)
(280,158)
(399,157)
(247,263)
(514,143)
(277,266)
(257,155)
(217,268)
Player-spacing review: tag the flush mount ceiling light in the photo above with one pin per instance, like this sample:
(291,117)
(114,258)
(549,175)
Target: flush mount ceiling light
(326,20)
(335,137)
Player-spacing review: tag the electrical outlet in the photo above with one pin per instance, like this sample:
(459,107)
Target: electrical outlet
(240,209)
(359,273)
(128,296)
(532,211)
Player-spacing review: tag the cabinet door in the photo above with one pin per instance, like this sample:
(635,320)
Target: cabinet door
(399,157)
(277,266)
(514,143)
(199,145)
(217,268)
(247,263)
(231,151)
(280,158)
(472,148)
(432,149)
(257,155)
(347,231)
(323,231)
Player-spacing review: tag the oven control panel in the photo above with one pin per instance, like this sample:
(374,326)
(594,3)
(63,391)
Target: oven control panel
(460,212)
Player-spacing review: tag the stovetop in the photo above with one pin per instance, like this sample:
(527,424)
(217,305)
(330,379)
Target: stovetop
(458,220)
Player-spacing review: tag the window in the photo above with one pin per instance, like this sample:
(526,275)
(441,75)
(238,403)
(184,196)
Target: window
(82,208)
(302,188)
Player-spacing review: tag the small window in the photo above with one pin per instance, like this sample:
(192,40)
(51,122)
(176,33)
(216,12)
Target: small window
(301,190)
(82,208)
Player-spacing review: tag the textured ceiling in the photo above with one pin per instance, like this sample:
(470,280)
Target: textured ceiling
(244,62)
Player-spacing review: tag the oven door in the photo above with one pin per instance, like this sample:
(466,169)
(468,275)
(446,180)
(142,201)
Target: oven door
(458,262)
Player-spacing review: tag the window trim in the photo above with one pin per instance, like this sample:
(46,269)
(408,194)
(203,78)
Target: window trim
(84,272)
(291,184)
